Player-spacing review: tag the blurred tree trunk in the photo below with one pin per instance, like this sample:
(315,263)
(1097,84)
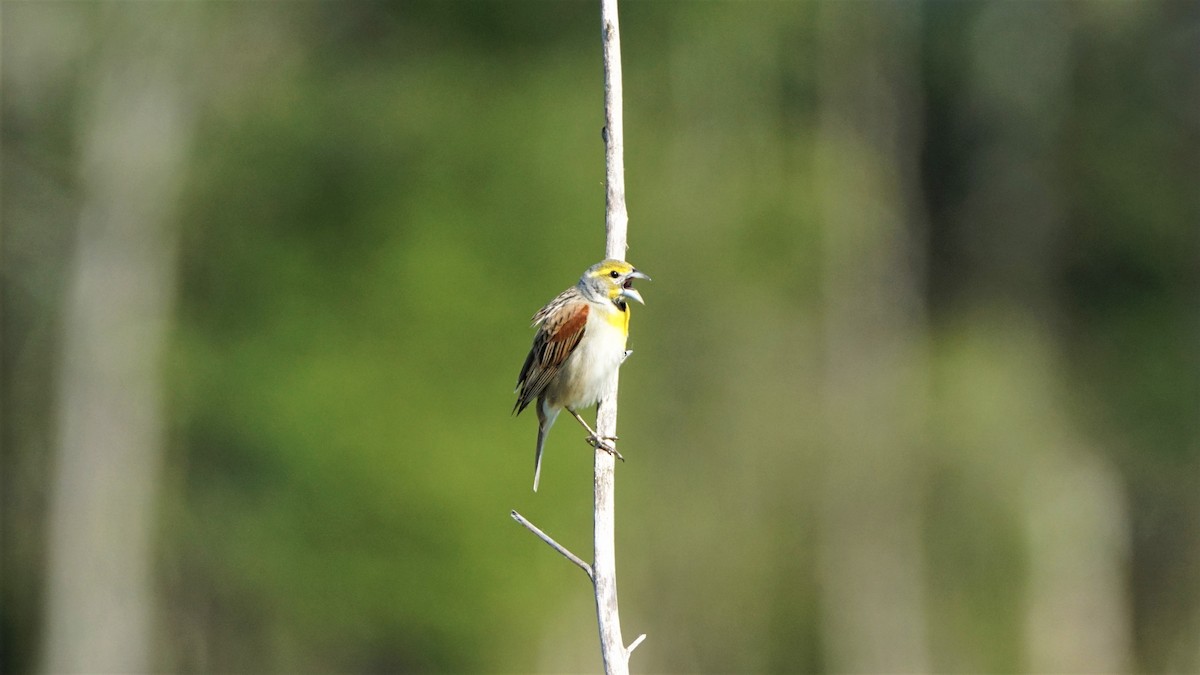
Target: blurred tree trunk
(875,391)
(1073,509)
(134,133)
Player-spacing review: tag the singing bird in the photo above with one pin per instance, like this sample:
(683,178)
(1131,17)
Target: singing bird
(578,347)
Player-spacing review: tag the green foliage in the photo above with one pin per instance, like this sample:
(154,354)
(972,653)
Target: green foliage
(381,195)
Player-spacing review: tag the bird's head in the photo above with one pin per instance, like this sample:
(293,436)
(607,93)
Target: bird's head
(612,280)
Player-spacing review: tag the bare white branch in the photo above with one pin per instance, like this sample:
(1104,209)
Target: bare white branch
(603,570)
(616,217)
(587,569)
(616,221)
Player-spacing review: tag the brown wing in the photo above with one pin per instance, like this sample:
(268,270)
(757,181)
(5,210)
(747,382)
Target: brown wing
(560,328)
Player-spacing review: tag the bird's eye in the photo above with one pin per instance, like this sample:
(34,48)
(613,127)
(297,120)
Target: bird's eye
(614,274)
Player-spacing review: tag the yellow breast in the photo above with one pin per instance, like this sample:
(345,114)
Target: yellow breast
(619,320)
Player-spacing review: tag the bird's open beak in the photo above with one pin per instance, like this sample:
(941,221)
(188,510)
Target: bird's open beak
(628,291)
(632,294)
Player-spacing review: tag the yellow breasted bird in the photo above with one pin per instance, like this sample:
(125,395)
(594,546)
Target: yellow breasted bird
(578,347)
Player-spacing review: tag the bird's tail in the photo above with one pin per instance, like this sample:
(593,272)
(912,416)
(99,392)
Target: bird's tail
(545,421)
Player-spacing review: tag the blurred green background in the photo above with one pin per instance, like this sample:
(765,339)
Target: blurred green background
(917,385)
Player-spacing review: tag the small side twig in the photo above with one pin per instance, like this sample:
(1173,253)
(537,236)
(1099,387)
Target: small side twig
(634,645)
(587,569)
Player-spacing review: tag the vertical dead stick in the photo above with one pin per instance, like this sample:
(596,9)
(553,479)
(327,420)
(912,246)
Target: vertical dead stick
(616,220)
(616,217)
(603,570)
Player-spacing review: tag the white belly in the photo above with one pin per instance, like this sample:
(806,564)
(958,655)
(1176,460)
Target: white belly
(588,372)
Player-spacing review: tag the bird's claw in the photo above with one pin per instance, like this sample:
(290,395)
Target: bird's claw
(602,443)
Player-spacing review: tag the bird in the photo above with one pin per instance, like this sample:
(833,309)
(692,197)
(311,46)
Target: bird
(577,349)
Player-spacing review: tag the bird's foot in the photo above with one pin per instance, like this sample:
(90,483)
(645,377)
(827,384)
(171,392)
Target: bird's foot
(605,443)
